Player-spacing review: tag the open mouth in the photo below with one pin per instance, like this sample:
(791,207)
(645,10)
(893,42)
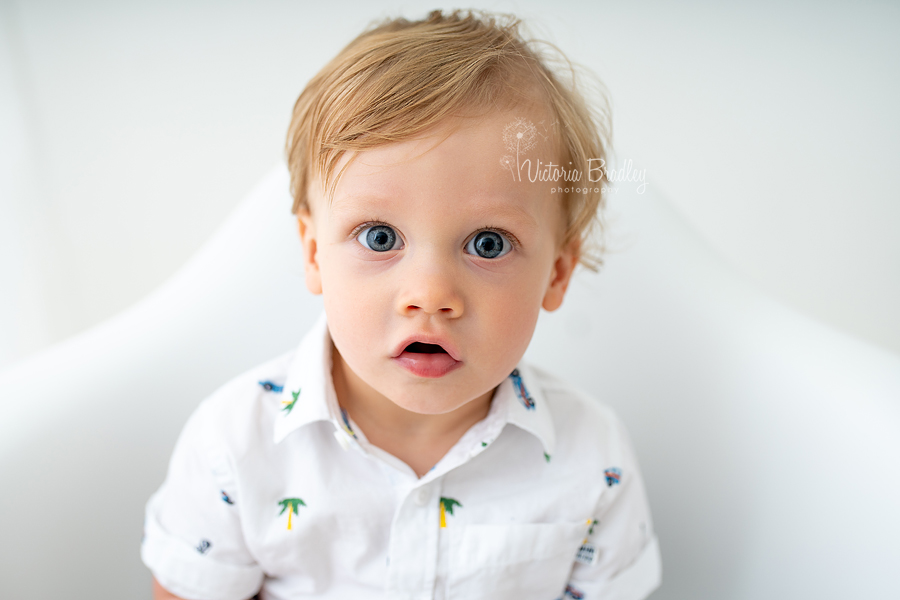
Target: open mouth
(423,348)
(427,360)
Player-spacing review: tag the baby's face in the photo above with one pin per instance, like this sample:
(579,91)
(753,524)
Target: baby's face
(434,262)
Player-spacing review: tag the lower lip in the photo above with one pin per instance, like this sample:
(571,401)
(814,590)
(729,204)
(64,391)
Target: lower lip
(427,365)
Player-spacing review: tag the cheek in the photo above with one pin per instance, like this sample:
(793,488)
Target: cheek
(516,327)
(350,320)
(359,300)
(511,310)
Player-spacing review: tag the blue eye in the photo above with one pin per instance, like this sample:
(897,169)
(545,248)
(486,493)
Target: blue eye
(379,238)
(488,244)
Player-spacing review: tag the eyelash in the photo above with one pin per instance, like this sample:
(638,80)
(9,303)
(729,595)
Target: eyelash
(512,239)
(358,229)
(374,223)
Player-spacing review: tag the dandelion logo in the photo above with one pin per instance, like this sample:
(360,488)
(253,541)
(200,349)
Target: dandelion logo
(519,137)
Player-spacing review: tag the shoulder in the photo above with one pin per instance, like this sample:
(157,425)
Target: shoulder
(568,401)
(238,414)
(579,417)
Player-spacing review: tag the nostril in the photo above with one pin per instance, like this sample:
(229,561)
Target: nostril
(447,309)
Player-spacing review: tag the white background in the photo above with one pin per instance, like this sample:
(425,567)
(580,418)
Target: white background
(129,130)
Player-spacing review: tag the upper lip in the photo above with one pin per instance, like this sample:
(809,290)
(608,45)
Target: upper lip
(426,338)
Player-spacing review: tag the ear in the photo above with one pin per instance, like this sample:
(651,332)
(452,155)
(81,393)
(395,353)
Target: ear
(307,227)
(561,273)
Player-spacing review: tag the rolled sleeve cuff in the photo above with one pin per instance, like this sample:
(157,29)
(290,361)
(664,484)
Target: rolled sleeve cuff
(184,572)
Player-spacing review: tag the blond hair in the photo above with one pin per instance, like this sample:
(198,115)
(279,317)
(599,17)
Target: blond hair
(400,78)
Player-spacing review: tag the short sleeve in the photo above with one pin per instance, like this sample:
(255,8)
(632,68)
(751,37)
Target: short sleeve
(620,557)
(193,541)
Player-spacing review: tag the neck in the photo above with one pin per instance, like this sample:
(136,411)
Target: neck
(418,439)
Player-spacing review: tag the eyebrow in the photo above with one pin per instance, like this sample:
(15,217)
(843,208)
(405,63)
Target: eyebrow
(487,211)
(366,199)
(507,211)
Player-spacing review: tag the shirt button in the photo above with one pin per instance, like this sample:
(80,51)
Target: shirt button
(422,496)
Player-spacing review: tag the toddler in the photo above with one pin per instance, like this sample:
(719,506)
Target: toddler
(439,170)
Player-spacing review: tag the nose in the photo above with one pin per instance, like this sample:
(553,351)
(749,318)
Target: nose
(431,289)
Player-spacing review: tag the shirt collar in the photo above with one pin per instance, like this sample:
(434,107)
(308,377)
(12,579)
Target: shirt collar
(526,406)
(309,393)
(308,389)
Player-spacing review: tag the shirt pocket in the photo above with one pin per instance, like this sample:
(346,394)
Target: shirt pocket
(516,561)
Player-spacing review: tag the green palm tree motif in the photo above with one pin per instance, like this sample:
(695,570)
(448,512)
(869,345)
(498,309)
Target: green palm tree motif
(447,505)
(289,404)
(546,457)
(292,505)
(590,522)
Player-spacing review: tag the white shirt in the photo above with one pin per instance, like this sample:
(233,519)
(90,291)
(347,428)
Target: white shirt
(272,489)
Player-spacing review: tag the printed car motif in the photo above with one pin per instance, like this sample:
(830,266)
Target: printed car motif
(572,592)
(226,498)
(613,476)
(346,424)
(521,392)
(271,387)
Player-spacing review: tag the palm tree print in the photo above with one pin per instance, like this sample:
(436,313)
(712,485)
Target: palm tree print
(289,404)
(447,505)
(590,522)
(292,505)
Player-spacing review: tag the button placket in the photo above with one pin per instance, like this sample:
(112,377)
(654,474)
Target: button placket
(413,547)
(422,495)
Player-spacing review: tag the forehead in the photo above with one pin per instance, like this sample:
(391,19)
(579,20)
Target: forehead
(476,161)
